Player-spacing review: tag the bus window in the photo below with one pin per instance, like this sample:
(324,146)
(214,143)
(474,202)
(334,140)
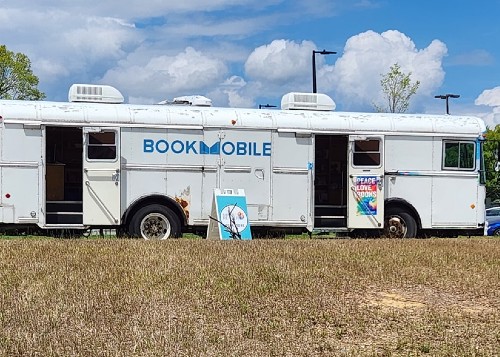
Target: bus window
(366,153)
(459,155)
(101,146)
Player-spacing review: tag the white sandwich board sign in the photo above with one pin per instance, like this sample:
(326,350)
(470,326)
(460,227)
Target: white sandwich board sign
(229,217)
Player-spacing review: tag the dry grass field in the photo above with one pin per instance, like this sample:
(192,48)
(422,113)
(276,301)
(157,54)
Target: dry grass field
(192,297)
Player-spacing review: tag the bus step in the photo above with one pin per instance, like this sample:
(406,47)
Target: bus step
(64,218)
(64,206)
(330,221)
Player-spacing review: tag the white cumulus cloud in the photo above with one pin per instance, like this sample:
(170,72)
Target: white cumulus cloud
(281,61)
(355,77)
(101,38)
(491,98)
(354,80)
(274,69)
(165,77)
(235,92)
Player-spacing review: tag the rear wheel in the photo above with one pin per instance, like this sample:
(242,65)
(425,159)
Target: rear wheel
(399,224)
(496,232)
(155,222)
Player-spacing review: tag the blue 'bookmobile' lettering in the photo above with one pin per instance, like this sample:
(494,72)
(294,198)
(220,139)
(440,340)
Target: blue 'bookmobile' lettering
(242,148)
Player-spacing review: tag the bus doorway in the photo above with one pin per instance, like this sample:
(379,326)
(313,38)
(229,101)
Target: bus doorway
(63,176)
(330,181)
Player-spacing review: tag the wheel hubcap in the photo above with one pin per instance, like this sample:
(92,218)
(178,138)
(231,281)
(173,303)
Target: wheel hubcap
(155,226)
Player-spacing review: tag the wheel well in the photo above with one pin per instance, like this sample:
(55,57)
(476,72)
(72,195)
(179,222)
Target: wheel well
(155,199)
(400,204)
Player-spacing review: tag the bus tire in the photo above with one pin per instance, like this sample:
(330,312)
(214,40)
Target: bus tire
(399,224)
(155,222)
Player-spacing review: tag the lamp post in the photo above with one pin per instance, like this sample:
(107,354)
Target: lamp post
(266,106)
(446,97)
(324,52)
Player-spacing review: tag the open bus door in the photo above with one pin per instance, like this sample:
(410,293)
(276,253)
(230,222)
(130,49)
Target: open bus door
(101,176)
(365,182)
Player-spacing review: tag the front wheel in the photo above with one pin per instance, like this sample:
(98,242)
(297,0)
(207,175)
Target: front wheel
(399,224)
(155,222)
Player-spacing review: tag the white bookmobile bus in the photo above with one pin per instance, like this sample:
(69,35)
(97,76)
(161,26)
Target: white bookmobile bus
(151,170)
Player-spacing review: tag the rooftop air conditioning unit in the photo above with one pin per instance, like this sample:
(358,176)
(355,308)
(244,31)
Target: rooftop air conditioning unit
(307,101)
(94,94)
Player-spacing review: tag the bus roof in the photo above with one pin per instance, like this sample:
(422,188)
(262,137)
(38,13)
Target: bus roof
(305,121)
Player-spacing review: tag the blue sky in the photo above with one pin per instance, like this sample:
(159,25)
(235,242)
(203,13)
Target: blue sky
(243,53)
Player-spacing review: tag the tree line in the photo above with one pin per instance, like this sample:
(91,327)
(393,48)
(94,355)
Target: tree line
(17,80)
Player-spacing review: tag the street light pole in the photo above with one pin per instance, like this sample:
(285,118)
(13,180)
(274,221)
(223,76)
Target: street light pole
(446,97)
(324,52)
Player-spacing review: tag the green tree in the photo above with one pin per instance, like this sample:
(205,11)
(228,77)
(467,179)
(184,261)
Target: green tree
(398,89)
(17,80)
(490,162)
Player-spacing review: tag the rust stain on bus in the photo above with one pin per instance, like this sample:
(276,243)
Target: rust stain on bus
(184,200)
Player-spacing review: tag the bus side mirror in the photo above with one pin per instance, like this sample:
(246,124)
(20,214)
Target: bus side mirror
(497,155)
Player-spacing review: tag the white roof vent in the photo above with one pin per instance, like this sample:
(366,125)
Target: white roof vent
(307,101)
(94,94)
(194,100)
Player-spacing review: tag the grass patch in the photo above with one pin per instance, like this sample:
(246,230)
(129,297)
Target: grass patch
(123,297)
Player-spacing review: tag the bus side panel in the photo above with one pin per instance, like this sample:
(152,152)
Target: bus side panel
(412,158)
(187,173)
(246,164)
(20,194)
(164,162)
(291,181)
(457,199)
(141,174)
(442,198)
(454,202)
(416,190)
(20,163)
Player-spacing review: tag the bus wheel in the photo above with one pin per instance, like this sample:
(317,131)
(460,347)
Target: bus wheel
(399,224)
(155,222)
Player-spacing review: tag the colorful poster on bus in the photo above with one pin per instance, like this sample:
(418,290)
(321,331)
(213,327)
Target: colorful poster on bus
(366,193)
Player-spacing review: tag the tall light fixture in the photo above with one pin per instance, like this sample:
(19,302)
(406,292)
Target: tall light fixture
(324,52)
(446,97)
